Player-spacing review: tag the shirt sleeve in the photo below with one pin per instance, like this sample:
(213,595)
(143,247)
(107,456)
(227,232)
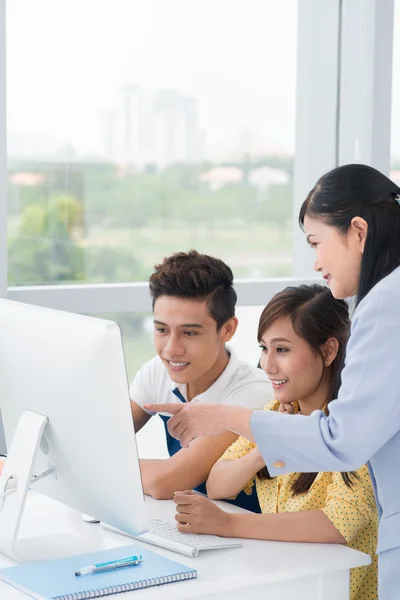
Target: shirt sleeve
(358,424)
(238,449)
(350,509)
(143,386)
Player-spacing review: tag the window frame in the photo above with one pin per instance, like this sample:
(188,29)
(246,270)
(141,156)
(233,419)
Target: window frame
(327,135)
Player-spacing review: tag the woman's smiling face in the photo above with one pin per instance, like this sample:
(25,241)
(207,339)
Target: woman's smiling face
(338,255)
(294,369)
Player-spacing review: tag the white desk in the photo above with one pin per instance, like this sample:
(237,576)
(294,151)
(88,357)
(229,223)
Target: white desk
(261,570)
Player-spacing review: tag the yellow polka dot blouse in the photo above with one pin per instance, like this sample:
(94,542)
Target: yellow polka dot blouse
(352,510)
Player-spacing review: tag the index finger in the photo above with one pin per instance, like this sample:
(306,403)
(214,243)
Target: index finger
(171,408)
(182,498)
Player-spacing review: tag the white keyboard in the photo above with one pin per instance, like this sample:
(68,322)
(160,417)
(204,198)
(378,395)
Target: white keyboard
(165,535)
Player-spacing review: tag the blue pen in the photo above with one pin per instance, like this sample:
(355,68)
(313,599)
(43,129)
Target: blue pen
(111,565)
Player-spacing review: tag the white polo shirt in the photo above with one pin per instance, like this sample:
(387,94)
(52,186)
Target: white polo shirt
(239,384)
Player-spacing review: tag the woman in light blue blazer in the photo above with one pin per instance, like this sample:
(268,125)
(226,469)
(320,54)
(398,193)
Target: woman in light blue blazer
(352,220)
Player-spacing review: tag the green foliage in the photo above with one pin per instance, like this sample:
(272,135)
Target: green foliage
(112,265)
(277,208)
(20,197)
(101,223)
(38,260)
(33,220)
(43,251)
(66,209)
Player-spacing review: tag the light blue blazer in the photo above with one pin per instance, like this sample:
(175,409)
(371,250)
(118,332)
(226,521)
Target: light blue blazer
(364,422)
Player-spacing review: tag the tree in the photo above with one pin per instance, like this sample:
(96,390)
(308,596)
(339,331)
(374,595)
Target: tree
(66,209)
(43,251)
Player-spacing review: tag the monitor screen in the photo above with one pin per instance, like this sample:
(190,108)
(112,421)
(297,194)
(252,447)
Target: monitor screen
(71,369)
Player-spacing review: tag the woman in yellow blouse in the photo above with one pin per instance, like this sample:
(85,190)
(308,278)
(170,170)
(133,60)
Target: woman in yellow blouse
(302,333)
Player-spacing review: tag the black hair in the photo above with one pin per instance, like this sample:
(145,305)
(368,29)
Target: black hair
(316,316)
(199,277)
(361,191)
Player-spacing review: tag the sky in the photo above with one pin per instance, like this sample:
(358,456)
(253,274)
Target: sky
(67,60)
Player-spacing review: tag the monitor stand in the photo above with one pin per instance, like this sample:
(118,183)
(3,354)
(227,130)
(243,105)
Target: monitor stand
(19,466)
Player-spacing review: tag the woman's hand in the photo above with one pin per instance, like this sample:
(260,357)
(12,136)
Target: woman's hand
(197,514)
(286,408)
(189,421)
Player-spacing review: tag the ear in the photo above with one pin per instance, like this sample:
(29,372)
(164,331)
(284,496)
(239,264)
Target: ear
(359,227)
(330,350)
(228,329)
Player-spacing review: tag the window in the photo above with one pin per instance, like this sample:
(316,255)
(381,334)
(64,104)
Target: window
(137,335)
(395,132)
(137,128)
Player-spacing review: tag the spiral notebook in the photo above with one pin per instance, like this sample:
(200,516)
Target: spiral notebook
(55,579)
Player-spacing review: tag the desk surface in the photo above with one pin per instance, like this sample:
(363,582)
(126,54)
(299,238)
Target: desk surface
(257,563)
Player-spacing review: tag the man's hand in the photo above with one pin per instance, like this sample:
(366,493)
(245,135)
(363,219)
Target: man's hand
(189,421)
(197,514)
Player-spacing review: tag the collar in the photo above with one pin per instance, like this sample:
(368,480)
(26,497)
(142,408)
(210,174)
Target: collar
(216,391)
(297,410)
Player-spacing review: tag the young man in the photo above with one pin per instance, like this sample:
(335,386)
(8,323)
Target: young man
(194,317)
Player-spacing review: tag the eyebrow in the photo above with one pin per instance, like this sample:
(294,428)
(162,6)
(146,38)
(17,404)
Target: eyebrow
(274,340)
(308,237)
(195,325)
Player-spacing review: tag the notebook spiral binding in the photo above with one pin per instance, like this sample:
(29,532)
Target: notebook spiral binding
(128,587)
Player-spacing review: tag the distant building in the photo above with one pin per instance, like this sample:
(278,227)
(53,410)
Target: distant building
(219,177)
(263,177)
(175,128)
(160,128)
(135,125)
(194,136)
(27,179)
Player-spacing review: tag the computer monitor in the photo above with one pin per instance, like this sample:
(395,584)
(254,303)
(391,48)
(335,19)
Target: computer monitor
(66,408)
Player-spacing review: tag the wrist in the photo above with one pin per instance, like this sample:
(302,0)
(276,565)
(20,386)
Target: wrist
(232,529)
(226,525)
(237,419)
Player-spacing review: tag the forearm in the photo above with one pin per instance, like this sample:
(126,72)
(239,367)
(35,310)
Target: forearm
(303,526)
(185,470)
(151,471)
(161,482)
(228,477)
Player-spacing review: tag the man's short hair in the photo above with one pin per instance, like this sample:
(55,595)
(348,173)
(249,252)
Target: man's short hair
(199,277)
